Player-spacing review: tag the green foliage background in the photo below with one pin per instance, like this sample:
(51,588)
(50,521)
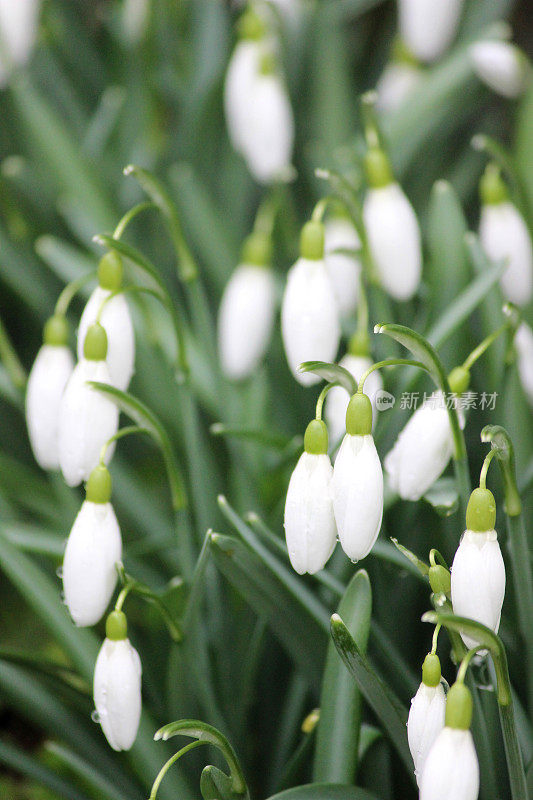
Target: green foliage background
(252,659)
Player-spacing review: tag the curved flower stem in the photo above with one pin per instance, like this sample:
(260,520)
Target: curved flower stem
(10,360)
(164,769)
(70,290)
(370,120)
(437,558)
(130,584)
(126,431)
(320,208)
(485,468)
(124,592)
(322,397)
(388,362)
(484,345)
(465,663)
(434,640)
(130,215)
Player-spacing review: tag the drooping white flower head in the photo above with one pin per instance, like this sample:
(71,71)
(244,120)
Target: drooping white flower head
(428,27)
(524,347)
(309,315)
(505,236)
(242,70)
(134,19)
(247,309)
(501,65)
(426,715)
(451,770)
(392,229)
(396,83)
(18,32)
(338,398)
(117,685)
(48,377)
(94,548)
(478,571)
(422,450)
(358,483)
(309,522)
(115,318)
(343,269)
(87,419)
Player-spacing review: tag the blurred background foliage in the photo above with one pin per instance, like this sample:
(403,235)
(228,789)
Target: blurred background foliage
(92,100)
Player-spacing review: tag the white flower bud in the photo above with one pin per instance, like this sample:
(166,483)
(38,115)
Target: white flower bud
(94,547)
(245,319)
(429,26)
(478,580)
(242,70)
(505,236)
(87,420)
(309,522)
(48,377)
(425,722)
(343,269)
(451,771)
(394,240)
(337,398)
(524,346)
(396,83)
(117,692)
(422,450)
(134,19)
(501,65)
(18,32)
(116,321)
(309,317)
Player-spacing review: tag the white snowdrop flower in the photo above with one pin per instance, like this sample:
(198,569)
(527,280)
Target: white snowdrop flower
(428,27)
(115,318)
(501,65)
(343,269)
(134,19)
(478,571)
(309,315)
(18,32)
(242,71)
(309,522)
(396,84)
(451,771)
(94,548)
(338,398)
(87,419)
(422,450)
(290,10)
(48,377)
(117,685)
(392,229)
(524,347)
(504,236)
(358,482)
(426,715)
(247,310)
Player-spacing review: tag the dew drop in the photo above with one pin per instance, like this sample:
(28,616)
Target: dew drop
(95,716)
(59,572)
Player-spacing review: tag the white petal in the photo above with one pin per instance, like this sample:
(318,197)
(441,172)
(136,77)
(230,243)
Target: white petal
(309,522)
(93,549)
(358,495)
(343,270)
(425,722)
(245,319)
(478,580)
(501,66)
(421,452)
(116,320)
(48,377)
(242,69)
(117,692)
(309,318)
(18,32)
(87,420)
(338,398)
(396,83)
(394,240)
(451,771)
(429,26)
(505,236)
(524,346)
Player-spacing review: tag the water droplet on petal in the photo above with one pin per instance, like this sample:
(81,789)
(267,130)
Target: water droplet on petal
(59,572)
(95,716)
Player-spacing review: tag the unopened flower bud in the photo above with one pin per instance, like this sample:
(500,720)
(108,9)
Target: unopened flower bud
(429,26)
(343,269)
(501,66)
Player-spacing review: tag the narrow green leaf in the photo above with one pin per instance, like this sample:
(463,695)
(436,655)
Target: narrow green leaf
(421,566)
(324,791)
(443,497)
(18,761)
(274,441)
(333,373)
(448,263)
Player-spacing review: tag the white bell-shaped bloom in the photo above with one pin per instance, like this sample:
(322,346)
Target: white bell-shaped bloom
(478,580)
(429,26)
(116,321)
(87,420)
(338,398)
(134,19)
(396,83)
(343,269)
(245,319)
(422,450)
(425,722)
(394,240)
(240,76)
(501,65)
(117,692)
(48,377)
(451,771)
(18,32)
(94,548)
(309,522)
(524,347)
(505,236)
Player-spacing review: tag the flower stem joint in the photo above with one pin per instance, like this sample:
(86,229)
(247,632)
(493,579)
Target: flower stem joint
(116,626)
(312,241)
(56,331)
(431,672)
(359,415)
(459,707)
(95,344)
(110,271)
(481,511)
(99,485)
(316,438)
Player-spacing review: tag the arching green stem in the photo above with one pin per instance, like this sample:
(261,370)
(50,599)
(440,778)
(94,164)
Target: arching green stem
(130,215)
(322,397)
(465,663)
(124,592)
(127,431)
(389,362)
(485,468)
(164,769)
(70,290)
(484,345)
(320,208)
(370,119)
(435,638)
